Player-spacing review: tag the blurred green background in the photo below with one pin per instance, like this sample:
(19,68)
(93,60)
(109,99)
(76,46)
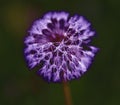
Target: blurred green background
(99,86)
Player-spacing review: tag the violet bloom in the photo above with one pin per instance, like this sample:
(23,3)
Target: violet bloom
(60,44)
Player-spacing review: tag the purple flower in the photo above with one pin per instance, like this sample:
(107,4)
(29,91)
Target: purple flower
(60,45)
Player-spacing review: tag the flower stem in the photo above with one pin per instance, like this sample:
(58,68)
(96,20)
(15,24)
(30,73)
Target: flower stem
(67,93)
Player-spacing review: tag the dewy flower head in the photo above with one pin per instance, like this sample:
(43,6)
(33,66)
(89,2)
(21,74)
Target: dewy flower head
(60,44)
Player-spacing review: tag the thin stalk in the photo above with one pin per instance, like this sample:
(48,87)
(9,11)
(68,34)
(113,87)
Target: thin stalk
(67,93)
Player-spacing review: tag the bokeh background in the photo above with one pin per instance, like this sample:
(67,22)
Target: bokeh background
(99,86)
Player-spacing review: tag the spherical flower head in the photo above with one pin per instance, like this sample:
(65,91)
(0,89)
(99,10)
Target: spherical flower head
(61,45)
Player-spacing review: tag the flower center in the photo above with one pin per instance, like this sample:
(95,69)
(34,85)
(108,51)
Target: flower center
(58,38)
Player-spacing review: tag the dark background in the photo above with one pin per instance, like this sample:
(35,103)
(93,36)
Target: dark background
(99,86)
